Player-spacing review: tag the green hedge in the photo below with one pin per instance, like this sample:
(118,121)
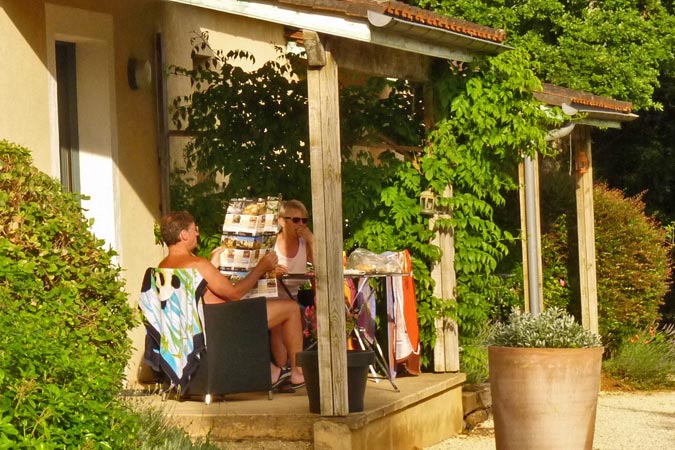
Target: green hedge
(65,318)
(632,264)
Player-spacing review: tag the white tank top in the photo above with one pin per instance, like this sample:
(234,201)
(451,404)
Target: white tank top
(296,264)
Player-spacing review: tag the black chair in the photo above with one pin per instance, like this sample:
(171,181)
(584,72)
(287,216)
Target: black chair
(223,349)
(237,351)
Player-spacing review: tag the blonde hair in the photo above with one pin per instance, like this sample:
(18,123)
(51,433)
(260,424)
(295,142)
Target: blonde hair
(292,204)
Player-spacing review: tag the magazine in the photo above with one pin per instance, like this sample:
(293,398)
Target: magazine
(249,233)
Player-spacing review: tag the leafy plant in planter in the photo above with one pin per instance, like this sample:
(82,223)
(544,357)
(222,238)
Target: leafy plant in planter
(553,328)
(545,379)
(357,364)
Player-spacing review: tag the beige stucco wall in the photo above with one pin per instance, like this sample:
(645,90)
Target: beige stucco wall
(26,104)
(27,99)
(226,32)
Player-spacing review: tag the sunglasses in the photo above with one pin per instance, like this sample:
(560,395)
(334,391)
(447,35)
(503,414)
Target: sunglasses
(297,219)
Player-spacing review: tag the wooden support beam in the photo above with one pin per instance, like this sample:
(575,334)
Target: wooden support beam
(581,146)
(523,235)
(326,172)
(446,350)
(380,61)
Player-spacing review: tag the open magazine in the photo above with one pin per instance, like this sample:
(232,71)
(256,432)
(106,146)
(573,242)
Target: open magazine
(249,233)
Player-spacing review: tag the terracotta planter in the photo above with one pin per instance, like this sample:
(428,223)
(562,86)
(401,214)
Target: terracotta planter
(357,376)
(544,398)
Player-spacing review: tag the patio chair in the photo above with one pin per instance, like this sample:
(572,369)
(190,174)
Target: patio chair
(203,350)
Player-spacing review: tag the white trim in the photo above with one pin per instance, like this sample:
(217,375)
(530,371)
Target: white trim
(93,35)
(315,21)
(356,29)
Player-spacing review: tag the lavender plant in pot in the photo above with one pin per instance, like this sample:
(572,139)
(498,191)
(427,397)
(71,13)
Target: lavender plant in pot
(544,380)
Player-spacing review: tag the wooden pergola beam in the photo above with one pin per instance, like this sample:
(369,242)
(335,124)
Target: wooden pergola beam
(326,171)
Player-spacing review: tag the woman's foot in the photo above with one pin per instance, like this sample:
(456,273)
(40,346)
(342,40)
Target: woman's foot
(279,376)
(297,378)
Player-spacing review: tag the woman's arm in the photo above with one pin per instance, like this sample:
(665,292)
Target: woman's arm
(221,285)
(307,235)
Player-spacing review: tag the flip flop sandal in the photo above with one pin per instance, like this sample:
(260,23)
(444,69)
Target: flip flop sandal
(284,376)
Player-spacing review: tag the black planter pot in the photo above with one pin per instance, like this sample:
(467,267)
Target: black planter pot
(357,376)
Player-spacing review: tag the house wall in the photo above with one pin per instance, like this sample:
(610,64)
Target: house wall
(226,32)
(117,125)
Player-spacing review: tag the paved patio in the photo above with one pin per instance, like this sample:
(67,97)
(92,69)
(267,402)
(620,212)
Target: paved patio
(427,410)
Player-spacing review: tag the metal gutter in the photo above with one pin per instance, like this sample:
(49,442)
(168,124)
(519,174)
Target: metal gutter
(427,33)
(397,34)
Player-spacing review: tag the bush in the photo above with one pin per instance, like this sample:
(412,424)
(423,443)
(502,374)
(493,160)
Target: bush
(633,265)
(552,328)
(645,361)
(155,433)
(65,318)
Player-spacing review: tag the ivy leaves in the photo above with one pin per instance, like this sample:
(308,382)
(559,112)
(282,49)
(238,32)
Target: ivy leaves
(250,127)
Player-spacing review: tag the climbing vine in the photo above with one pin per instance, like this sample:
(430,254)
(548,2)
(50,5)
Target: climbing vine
(487,119)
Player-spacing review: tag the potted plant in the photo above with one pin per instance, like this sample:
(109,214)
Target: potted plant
(357,366)
(544,380)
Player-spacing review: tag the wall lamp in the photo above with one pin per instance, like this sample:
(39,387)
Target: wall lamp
(139,73)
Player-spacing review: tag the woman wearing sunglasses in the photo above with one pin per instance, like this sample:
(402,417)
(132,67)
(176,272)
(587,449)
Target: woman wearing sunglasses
(294,248)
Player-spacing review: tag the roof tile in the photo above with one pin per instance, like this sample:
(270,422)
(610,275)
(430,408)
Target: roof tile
(403,11)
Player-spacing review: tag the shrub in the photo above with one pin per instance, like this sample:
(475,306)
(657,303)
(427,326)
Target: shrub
(473,357)
(65,318)
(552,328)
(155,433)
(632,264)
(646,360)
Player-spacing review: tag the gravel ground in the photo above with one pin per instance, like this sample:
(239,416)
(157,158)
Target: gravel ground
(624,421)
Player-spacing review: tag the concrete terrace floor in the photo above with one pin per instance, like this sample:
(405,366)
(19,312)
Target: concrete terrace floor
(427,410)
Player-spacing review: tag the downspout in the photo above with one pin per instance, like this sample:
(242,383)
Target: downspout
(532,222)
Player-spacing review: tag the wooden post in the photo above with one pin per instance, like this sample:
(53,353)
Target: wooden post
(581,145)
(446,350)
(523,235)
(325,162)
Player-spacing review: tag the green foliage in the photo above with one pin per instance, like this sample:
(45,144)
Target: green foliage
(616,49)
(251,127)
(633,264)
(483,130)
(646,360)
(156,433)
(65,318)
(473,357)
(552,328)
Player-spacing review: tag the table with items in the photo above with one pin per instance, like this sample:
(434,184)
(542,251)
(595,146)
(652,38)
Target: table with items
(360,307)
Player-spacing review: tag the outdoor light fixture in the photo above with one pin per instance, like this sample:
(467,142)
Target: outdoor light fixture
(581,163)
(139,73)
(428,203)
